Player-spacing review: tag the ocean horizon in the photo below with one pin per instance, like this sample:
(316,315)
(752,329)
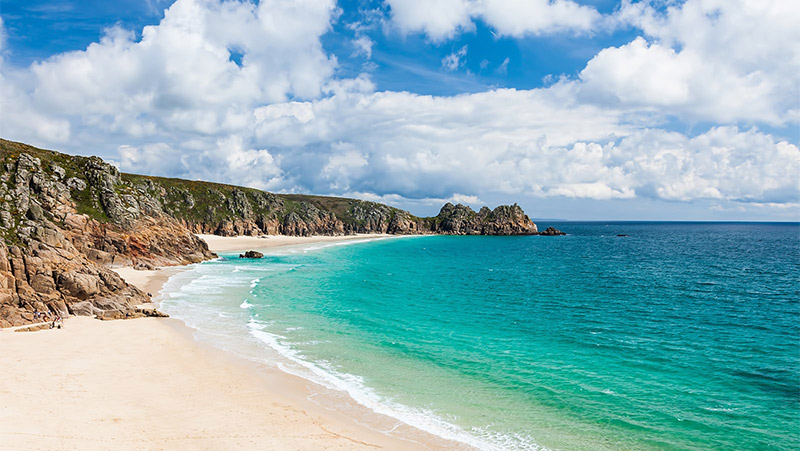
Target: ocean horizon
(619,335)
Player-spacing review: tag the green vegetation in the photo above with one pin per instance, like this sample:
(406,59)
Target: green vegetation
(195,202)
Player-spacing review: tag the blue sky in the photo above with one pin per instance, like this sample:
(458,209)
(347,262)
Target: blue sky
(38,29)
(578,110)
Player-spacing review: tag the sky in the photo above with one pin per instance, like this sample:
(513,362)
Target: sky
(581,110)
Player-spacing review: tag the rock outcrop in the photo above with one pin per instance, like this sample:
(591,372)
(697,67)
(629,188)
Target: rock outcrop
(551,231)
(251,254)
(503,220)
(63,221)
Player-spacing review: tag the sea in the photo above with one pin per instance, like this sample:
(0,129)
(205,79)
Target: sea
(619,335)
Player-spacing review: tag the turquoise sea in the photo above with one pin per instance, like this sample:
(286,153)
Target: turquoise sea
(677,336)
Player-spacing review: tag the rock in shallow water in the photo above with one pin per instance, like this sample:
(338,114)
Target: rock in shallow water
(251,254)
(551,231)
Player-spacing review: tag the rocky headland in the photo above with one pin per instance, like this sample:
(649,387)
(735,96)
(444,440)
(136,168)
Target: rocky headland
(65,220)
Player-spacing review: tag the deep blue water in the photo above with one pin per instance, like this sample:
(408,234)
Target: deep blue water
(677,336)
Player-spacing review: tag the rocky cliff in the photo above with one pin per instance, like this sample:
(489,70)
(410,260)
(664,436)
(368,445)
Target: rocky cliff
(65,219)
(503,220)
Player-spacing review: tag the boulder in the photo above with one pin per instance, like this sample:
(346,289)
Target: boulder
(106,315)
(76,184)
(83,308)
(251,254)
(551,231)
(79,285)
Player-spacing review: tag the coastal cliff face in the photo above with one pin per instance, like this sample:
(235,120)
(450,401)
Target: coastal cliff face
(503,220)
(56,244)
(65,219)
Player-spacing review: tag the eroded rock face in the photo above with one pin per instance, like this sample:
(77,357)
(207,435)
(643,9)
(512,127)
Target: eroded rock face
(60,280)
(503,220)
(53,258)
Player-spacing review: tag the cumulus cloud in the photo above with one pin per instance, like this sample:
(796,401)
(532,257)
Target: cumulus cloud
(704,60)
(20,119)
(724,163)
(227,159)
(180,77)
(442,19)
(507,141)
(439,19)
(723,61)
(523,17)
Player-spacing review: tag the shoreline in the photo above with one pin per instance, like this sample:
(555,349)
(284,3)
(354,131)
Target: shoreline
(224,244)
(78,387)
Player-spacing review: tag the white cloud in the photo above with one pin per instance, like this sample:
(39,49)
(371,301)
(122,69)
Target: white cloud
(20,119)
(455,60)
(503,68)
(723,163)
(534,17)
(714,60)
(179,78)
(442,19)
(723,61)
(536,143)
(228,160)
(439,19)
(3,38)
(363,46)
(426,203)
(344,164)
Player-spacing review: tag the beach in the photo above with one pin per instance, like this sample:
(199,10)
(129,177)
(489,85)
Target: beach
(147,384)
(244,243)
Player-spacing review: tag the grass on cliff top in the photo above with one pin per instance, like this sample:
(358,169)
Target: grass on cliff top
(207,203)
(10,151)
(206,199)
(86,201)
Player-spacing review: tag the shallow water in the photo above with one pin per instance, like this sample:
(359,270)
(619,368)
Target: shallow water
(680,335)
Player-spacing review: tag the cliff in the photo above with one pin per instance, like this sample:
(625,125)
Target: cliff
(503,220)
(65,219)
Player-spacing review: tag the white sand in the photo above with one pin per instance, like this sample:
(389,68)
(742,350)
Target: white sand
(148,281)
(246,243)
(147,384)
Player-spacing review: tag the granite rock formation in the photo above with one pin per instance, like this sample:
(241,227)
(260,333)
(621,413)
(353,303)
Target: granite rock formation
(251,254)
(551,231)
(55,249)
(503,220)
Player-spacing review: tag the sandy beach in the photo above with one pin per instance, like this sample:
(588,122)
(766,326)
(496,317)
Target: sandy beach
(147,384)
(243,243)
